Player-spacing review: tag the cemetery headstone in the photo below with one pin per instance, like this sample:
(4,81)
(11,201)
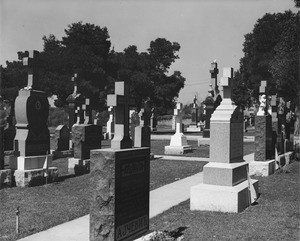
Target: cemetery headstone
(85,138)
(110,124)
(153,120)
(134,122)
(120,180)
(61,142)
(214,71)
(263,129)
(193,127)
(178,144)
(226,183)
(32,141)
(121,102)
(209,109)
(143,131)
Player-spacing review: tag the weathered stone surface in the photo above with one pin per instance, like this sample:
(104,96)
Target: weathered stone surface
(36,177)
(6,178)
(120,198)
(86,138)
(263,138)
(33,162)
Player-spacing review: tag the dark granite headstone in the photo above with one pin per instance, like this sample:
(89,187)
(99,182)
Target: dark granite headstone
(120,198)
(85,138)
(61,138)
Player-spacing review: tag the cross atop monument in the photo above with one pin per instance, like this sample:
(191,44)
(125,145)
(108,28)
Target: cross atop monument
(32,62)
(77,111)
(225,82)
(263,86)
(74,80)
(121,101)
(214,73)
(87,112)
(178,117)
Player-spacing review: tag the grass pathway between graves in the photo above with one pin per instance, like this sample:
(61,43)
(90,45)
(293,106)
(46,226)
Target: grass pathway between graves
(275,217)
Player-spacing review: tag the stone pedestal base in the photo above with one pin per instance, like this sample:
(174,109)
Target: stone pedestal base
(206,133)
(264,169)
(78,167)
(205,197)
(12,161)
(33,162)
(203,141)
(177,150)
(35,177)
(62,154)
(6,178)
(193,128)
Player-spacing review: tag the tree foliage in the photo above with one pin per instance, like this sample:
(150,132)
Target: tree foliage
(86,50)
(271,52)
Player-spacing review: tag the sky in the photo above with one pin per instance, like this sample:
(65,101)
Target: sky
(206,30)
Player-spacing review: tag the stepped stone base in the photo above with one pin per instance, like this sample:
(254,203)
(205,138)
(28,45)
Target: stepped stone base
(206,197)
(193,128)
(62,154)
(267,168)
(78,167)
(33,162)
(6,176)
(35,177)
(231,173)
(259,168)
(177,150)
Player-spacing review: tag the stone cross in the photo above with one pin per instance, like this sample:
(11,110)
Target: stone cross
(178,117)
(32,62)
(214,73)
(121,101)
(77,111)
(87,113)
(263,86)
(74,80)
(225,82)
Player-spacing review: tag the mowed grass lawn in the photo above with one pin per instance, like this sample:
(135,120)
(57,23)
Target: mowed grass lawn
(46,206)
(275,217)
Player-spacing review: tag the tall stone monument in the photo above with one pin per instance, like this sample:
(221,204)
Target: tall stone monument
(213,99)
(110,124)
(193,127)
(32,141)
(120,178)
(226,183)
(85,137)
(143,131)
(178,144)
(264,163)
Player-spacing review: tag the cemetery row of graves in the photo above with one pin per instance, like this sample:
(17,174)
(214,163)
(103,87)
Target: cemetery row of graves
(118,157)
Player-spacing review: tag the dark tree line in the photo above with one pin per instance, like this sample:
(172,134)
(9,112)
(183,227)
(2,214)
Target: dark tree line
(86,49)
(271,52)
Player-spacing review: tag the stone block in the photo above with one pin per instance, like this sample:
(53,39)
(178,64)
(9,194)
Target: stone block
(225,174)
(6,178)
(62,154)
(120,198)
(35,177)
(193,128)
(263,138)
(177,150)
(205,197)
(262,168)
(12,161)
(33,162)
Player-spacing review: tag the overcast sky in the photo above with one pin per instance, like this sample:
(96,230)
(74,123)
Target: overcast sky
(205,29)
